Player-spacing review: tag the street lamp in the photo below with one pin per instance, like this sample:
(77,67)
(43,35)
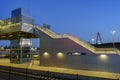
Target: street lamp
(113,33)
(93,40)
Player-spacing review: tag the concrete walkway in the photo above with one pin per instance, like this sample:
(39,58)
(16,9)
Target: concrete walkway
(34,65)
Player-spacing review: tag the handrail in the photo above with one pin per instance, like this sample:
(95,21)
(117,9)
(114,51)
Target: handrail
(80,42)
(84,44)
(48,32)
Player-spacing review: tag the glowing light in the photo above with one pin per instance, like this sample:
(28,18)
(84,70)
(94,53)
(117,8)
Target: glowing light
(36,56)
(93,40)
(26,42)
(103,57)
(46,54)
(113,32)
(32,49)
(60,55)
(76,53)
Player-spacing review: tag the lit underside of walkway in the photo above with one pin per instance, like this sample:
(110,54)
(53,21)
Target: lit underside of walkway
(34,66)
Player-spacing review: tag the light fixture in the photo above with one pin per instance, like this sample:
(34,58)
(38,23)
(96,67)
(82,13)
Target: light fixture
(46,54)
(103,57)
(60,55)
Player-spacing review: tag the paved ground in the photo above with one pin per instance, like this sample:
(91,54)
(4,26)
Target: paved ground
(35,66)
(2,79)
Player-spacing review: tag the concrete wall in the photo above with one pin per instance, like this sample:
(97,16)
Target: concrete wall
(55,45)
(89,61)
(109,63)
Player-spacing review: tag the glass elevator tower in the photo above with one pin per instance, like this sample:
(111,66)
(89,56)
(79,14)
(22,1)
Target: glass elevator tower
(21,43)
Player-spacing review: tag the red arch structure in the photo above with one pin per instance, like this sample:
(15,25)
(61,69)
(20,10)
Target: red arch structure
(98,38)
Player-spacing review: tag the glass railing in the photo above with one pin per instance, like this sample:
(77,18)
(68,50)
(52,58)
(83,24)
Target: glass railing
(48,32)
(80,42)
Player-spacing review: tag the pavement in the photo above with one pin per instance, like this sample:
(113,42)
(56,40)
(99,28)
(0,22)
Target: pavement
(34,65)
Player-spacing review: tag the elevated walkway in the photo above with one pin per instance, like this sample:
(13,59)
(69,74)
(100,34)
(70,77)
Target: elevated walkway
(11,30)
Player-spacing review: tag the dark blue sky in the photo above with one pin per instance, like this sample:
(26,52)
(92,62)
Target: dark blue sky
(82,18)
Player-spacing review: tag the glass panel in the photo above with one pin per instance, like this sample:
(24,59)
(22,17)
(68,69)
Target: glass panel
(16,12)
(27,20)
(26,12)
(26,28)
(20,50)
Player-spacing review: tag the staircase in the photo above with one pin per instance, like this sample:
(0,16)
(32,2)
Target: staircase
(79,41)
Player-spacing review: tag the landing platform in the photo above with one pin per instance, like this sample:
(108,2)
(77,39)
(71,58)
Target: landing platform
(33,65)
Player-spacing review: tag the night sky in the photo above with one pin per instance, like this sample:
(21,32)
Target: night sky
(82,18)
